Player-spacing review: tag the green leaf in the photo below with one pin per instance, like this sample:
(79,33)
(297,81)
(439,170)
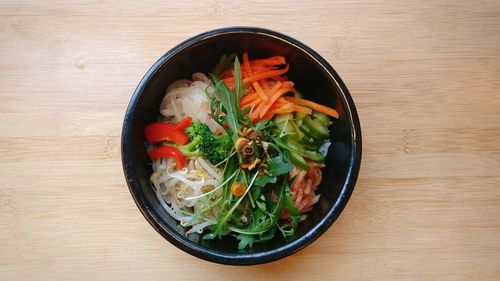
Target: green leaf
(228,101)
(238,85)
(278,166)
(261,125)
(222,221)
(245,240)
(264,179)
(209,236)
(261,205)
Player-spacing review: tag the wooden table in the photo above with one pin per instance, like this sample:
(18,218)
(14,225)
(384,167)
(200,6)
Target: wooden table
(425,76)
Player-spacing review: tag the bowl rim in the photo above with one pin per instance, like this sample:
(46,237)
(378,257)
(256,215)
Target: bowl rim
(169,233)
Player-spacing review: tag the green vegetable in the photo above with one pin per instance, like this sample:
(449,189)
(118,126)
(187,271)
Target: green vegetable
(214,148)
(299,161)
(288,229)
(321,118)
(277,166)
(289,143)
(317,129)
(227,102)
(192,148)
(245,240)
(300,115)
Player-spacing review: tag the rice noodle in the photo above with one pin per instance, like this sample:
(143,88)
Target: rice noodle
(199,227)
(189,99)
(173,187)
(211,169)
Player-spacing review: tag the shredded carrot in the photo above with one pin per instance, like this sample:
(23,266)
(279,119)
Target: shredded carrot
(321,108)
(276,95)
(259,91)
(250,104)
(267,74)
(246,65)
(268,89)
(275,87)
(302,109)
(248,98)
(272,61)
(256,111)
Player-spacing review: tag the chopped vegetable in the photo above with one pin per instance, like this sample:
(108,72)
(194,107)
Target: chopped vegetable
(168,151)
(214,148)
(162,131)
(238,189)
(184,123)
(321,108)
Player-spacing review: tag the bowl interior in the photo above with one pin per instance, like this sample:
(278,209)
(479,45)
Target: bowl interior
(310,77)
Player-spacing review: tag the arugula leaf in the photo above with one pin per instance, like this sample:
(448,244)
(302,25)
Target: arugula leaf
(288,228)
(278,166)
(264,179)
(245,240)
(209,236)
(261,222)
(238,85)
(223,218)
(261,125)
(261,205)
(228,101)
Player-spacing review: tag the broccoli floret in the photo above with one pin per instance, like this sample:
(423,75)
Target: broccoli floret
(198,129)
(214,148)
(192,148)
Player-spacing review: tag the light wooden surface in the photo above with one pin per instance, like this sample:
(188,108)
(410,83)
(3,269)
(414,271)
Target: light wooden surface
(425,76)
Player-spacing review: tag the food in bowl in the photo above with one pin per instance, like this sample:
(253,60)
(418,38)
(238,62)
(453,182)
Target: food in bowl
(239,151)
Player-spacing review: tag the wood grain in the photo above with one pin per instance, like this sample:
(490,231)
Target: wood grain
(425,76)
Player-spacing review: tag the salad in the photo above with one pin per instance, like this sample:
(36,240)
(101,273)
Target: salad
(239,152)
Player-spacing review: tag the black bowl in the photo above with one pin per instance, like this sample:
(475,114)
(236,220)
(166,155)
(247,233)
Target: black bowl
(312,75)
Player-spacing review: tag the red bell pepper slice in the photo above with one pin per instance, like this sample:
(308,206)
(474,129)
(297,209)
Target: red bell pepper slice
(184,123)
(168,151)
(161,131)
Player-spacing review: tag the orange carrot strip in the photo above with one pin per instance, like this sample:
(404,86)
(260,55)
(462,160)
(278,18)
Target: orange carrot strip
(265,85)
(321,108)
(279,108)
(275,96)
(260,75)
(276,60)
(249,97)
(250,103)
(302,109)
(253,104)
(256,111)
(265,75)
(246,66)
(259,91)
(287,84)
(267,116)
(275,87)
